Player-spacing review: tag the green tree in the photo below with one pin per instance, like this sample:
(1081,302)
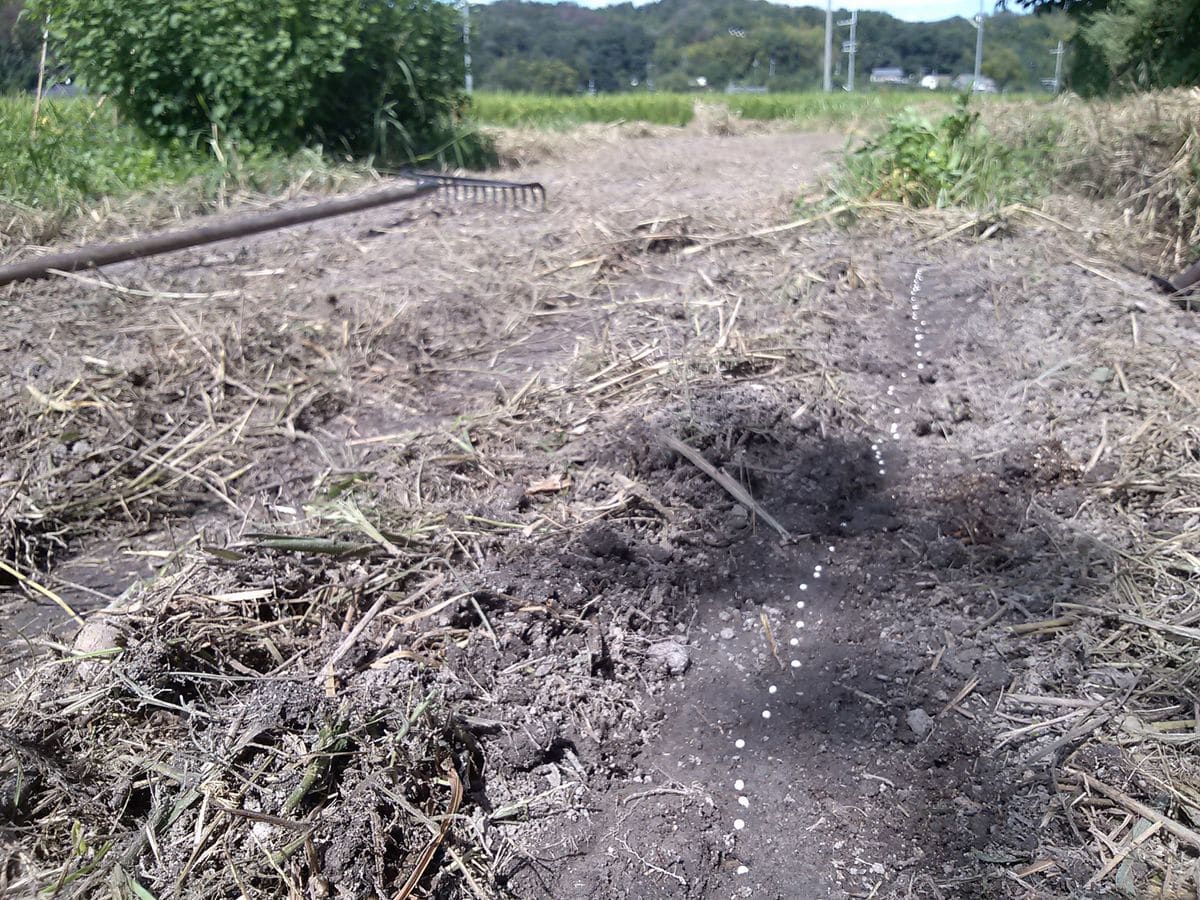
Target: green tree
(20,47)
(1148,43)
(352,74)
(1004,66)
(534,76)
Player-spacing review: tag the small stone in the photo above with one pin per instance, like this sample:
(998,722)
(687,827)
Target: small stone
(919,721)
(727,634)
(671,655)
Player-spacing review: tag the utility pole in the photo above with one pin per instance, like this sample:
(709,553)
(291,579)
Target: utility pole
(829,46)
(850,47)
(978,48)
(1058,52)
(469,81)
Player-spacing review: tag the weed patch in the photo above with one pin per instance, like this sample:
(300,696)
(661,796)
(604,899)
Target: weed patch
(951,162)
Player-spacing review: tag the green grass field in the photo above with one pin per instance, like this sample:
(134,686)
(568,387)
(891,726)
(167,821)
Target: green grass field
(813,108)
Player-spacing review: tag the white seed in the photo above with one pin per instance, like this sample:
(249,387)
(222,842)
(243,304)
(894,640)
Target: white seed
(804,587)
(739,785)
(795,663)
(744,801)
(738,824)
(766,714)
(799,623)
(739,743)
(742,870)
(772,689)
(795,642)
(799,604)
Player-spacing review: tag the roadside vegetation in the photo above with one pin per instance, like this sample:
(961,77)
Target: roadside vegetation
(1137,156)
(952,161)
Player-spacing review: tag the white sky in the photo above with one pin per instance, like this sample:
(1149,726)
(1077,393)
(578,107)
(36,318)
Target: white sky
(909,10)
(927,10)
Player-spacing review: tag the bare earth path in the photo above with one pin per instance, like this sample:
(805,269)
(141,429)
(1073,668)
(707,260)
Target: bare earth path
(646,690)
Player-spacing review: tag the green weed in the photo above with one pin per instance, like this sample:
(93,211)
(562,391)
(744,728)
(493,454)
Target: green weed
(82,160)
(951,162)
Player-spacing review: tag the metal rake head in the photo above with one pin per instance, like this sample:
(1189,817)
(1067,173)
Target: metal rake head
(484,190)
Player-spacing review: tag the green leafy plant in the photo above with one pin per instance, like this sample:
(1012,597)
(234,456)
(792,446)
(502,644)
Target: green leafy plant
(953,162)
(358,76)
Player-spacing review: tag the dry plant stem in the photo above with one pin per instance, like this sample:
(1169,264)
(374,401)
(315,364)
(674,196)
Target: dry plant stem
(1151,829)
(349,640)
(40,589)
(734,489)
(766,232)
(1182,832)
(426,856)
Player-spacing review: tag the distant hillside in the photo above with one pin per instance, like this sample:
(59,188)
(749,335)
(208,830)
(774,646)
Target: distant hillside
(561,47)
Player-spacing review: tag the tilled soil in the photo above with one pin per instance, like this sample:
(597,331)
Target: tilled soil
(646,687)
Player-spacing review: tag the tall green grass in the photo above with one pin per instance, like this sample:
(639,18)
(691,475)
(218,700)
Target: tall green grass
(82,159)
(78,152)
(807,108)
(541,111)
(830,109)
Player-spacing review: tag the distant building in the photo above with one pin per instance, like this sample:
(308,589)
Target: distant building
(967,83)
(734,88)
(888,75)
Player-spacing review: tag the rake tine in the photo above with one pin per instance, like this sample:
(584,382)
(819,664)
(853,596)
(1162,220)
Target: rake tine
(506,194)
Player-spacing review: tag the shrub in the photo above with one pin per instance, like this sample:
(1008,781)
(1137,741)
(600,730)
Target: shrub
(953,162)
(346,73)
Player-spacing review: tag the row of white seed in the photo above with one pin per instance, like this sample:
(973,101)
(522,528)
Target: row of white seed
(919,335)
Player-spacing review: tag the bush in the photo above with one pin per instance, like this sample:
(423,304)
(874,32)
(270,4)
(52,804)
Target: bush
(351,74)
(954,162)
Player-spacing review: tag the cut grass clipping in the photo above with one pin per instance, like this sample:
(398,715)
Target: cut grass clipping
(953,162)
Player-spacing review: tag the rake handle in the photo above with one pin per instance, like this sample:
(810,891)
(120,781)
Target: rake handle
(105,254)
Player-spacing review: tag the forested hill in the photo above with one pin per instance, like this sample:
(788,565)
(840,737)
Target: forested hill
(559,48)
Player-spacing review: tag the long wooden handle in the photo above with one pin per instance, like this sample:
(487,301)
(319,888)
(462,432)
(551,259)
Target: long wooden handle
(105,254)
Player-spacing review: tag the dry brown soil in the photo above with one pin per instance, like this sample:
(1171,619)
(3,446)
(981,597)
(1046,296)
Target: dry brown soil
(647,690)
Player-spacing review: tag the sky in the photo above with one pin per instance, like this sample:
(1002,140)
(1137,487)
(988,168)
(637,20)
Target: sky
(909,10)
(925,10)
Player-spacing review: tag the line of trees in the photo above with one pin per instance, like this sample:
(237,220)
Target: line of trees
(562,48)
(526,46)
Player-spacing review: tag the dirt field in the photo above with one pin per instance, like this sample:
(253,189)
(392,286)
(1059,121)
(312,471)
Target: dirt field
(453,596)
